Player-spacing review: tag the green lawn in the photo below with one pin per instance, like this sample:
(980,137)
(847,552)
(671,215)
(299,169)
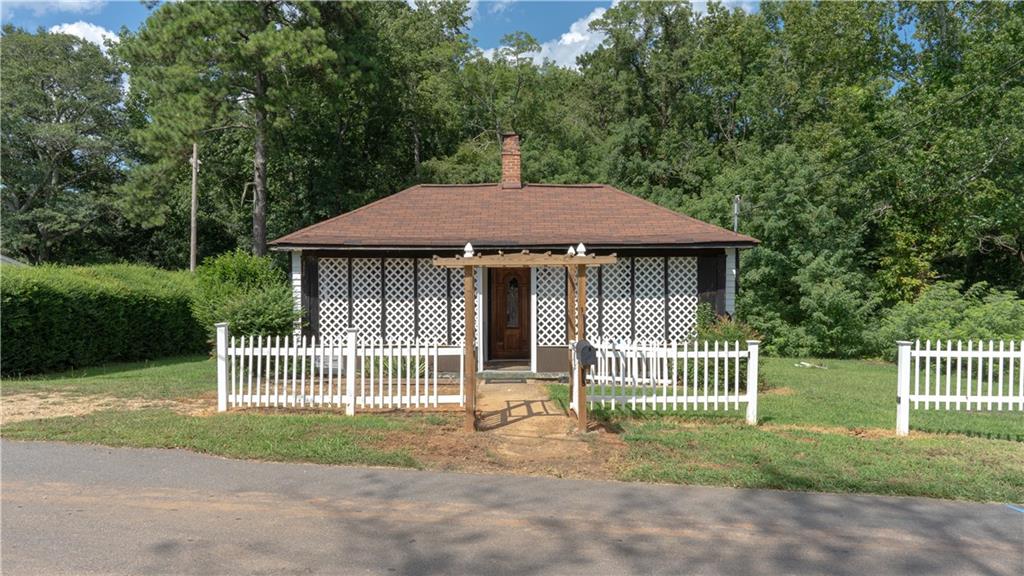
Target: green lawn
(850,394)
(799,459)
(829,430)
(820,429)
(858,394)
(322,438)
(167,378)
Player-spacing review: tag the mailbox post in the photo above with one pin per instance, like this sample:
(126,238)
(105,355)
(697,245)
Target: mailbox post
(581,332)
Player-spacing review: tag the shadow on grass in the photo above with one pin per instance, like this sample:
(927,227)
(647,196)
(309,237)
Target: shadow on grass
(112,369)
(972,433)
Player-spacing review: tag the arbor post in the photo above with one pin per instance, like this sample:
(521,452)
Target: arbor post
(581,334)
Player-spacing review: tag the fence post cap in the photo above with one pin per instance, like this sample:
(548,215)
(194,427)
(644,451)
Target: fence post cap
(221,324)
(903,342)
(753,342)
(352,330)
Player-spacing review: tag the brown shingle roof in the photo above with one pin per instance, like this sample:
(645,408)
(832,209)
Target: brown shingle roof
(536,215)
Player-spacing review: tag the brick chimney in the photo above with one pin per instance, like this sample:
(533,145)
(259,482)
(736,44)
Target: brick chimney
(510,163)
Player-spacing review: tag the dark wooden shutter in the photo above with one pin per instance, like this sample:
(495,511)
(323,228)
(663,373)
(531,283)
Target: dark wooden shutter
(311,295)
(711,281)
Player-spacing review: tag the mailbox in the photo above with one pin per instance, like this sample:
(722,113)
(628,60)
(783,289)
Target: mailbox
(586,354)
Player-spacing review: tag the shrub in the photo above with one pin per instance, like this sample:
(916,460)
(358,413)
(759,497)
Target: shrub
(58,317)
(946,311)
(266,311)
(248,292)
(711,327)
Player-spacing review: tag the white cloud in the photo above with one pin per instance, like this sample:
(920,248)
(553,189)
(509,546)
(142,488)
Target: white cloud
(86,31)
(499,6)
(748,6)
(579,40)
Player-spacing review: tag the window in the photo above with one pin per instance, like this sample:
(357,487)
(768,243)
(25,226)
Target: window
(512,303)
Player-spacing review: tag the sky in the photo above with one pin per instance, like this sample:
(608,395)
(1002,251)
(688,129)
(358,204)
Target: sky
(560,27)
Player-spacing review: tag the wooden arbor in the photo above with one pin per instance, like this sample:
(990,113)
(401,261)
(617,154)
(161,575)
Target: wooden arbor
(575,262)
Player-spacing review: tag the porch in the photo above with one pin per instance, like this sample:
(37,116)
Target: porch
(646,295)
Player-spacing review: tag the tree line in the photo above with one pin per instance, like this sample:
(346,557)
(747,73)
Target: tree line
(877,148)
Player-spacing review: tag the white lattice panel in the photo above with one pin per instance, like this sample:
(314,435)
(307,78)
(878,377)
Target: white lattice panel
(459,308)
(682,298)
(433,303)
(592,304)
(649,293)
(366,309)
(399,298)
(333,273)
(550,306)
(615,302)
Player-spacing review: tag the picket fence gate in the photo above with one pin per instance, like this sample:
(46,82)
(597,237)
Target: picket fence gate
(958,377)
(676,376)
(298,371)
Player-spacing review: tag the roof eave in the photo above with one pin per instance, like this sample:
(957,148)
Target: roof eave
(358,247)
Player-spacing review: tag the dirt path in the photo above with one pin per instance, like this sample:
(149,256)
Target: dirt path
(20,407)
(521,431)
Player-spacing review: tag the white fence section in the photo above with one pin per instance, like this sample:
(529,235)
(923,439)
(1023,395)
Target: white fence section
(958,376)
(305,372)
(406,375)
(676,376)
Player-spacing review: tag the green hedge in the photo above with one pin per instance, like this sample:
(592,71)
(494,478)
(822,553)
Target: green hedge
(55,317)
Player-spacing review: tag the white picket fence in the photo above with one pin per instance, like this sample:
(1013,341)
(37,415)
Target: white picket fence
(307,372)
(674,376)
(958,377)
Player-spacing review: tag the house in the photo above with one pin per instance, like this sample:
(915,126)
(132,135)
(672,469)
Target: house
(372,268)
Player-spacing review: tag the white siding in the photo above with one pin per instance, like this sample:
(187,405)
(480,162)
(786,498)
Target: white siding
(533,319)
(297,286)
(730,280)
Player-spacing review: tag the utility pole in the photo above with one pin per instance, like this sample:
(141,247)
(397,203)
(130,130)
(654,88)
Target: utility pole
(193,241)
(736,213)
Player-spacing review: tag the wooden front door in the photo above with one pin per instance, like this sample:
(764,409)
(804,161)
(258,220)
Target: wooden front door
(509,334)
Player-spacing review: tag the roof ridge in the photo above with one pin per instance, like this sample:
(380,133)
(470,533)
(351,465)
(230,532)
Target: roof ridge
(457,185)
(550,185)
(525,185)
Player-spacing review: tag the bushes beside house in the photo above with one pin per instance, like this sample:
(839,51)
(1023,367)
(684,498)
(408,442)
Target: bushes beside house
(712,327)
(56,318)
(946,311)
(248,292)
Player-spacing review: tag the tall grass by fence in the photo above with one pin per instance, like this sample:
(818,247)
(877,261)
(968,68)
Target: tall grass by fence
(676,376)
(294,371)
(958,376)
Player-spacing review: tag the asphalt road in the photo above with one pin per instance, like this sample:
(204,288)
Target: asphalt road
(88,510)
